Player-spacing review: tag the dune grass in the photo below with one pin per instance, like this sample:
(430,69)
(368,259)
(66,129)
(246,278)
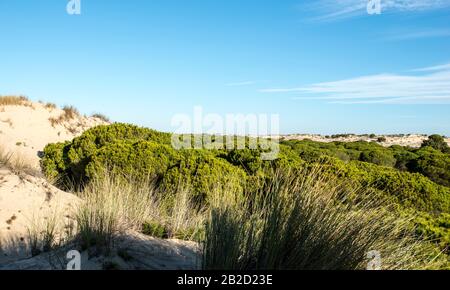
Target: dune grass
(49,231)
(50,106)
(308,221)
(113,205)
(17,163)
(14,101)
(302,220)
(101,117)
(69,113)
(110,208)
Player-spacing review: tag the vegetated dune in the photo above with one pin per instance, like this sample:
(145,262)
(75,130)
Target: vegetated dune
(26,127)
(29,203)
(26,203)
(409,140)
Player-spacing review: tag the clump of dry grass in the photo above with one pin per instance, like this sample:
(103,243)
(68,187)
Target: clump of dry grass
(175,215)
(101,117)
(14,101)
(50,106)
(17,163)
(69,113)
(48,231)
(306,221)
(111,207)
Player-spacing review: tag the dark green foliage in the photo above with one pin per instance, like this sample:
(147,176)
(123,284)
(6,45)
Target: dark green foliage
(437,142)
(155,230)
(436,228)
(379,157)
(416,179)
(432,163)
(138,153)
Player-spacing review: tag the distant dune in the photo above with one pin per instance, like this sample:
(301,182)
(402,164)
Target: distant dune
(411,140)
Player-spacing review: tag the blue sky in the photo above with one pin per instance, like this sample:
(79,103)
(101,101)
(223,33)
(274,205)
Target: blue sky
(324,66)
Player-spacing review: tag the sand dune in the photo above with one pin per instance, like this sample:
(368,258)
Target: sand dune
(28,201)
(25,203)
(26,129)
(411,140)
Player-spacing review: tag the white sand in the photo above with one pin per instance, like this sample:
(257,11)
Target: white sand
(26,130)
(25,203)
(413,140)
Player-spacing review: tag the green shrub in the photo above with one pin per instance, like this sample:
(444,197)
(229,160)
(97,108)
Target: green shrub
(433,164)
(155,230)
(378,157)
(436,228)
(138,153)
(437,142)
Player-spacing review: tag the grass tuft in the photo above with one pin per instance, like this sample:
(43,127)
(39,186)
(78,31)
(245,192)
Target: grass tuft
(69,113)
(101,117)
(306,221)
(14,101)
(17,163)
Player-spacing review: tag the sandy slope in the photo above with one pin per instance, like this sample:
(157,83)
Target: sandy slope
(25,130)
(25,203)
(142,253)
(28,201)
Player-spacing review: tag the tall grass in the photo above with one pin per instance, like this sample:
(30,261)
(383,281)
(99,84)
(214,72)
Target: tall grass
(46,232)
(307,220)
(176,214)
(111,206)
(114,204)
(14,101)
(17,163)
(69,113)
(102,117)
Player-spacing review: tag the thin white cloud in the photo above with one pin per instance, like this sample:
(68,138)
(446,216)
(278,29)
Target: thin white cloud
(331,10)
(430,87)
(443,67)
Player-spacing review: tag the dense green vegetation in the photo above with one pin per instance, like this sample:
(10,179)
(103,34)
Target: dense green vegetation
(414,180)
(431,160)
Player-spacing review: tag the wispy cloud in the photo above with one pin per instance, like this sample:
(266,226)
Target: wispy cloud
(432,86)
(443,67)
(331,10)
